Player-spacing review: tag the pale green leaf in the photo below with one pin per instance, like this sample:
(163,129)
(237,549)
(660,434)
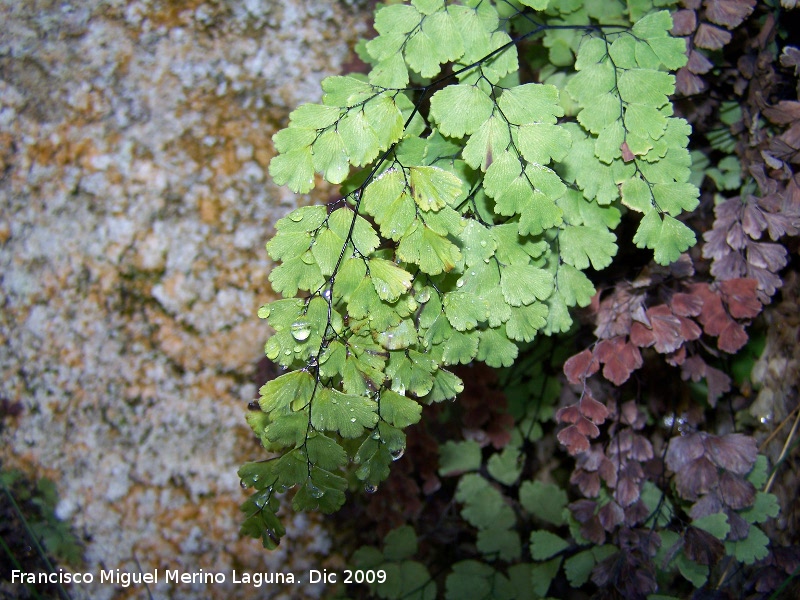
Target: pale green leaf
(398,410)
(460,110)
(531,103)
(581,244)
(291,389)
(668,237)
(464,310)
(545,545)
(348,414)
(764,508)
(345,91)
(523,284)
(329,156)
(716,524)
(603,110)
(505,466)
(432,252)
(646,86)
(544,501)
(542,575)
(390,281)
(541,142)
(502,544)
(496,350)
(525,321)
(460,348)
(360,140)
(490,140)
(294,169)
(400,543)
(433,188)
(458,457)
(750,549)
(674,198)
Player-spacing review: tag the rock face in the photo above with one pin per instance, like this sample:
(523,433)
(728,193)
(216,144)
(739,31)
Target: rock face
(134,143)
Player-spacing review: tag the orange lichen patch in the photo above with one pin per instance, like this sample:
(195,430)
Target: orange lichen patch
(61,148)
(174,13)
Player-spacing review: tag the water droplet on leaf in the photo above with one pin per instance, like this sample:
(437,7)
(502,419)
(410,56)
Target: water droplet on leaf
(301,330)
(370,489)
(243,484)
(352,419)
(397,454)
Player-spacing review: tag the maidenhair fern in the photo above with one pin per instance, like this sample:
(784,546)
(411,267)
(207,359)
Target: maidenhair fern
(473,203)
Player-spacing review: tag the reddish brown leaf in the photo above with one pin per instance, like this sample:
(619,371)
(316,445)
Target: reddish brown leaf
(735,491)
(586,427)
(627,155)
(611,515)
(710,504)
(702,547)
(736,238)
(753,219)
(686,305)
(740,296)
(574,441)
(636,513)
(697,478)
(592,409)
(711,37)
(627,491)
(619,358)
(614,312)
(729,13)
(684,449)
(588,483)
(713,316)
(569,414)
(580,366)
(687,83)
(784,112)
(583,510)
(735,452)
(739,527)
(641,449)
(767,255)
(698,63)
(683,22)
(732,338)
(718,383)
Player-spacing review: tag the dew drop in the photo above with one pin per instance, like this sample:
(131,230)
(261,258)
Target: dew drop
(376,435)
(327,294)
(243,484)
(460,283)
(424,295)
(314,491)
(301,330)
(483,244)
(397,454)
(486,260)
(370,489)
(254,405)
(287,352)
(352,419)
